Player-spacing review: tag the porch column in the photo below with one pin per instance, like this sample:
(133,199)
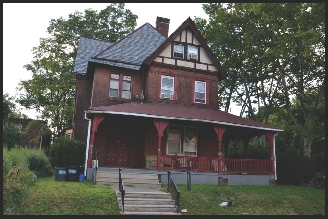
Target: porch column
(246,141)
(97,118)
(270,136)
(160,125)
(219,132)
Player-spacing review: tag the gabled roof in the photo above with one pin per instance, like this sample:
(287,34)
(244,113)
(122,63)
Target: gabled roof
(164,110)
(189,24)
(131,51)
(86,49)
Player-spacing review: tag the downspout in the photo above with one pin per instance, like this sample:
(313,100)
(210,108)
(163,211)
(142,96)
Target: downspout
(88,139)
(274,156)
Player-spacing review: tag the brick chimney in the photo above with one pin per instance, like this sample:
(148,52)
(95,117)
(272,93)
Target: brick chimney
(162,26)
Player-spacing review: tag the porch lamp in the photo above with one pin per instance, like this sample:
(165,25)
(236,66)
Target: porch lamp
(42,124)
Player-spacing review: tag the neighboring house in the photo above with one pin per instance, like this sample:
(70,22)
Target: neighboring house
(21,124)
(69,133)
(150,100)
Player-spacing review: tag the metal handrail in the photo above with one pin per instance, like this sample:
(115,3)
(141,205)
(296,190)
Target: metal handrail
(172,188)
(121,187)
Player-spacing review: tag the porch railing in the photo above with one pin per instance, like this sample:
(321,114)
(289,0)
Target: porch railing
(172,188)
(208,164)
(121,187)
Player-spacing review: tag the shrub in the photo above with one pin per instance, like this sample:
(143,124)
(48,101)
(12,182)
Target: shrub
(39,163)
(10,135)
(67,152)
(6,163)
(293,168)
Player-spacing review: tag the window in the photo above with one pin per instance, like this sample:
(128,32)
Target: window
(19,128)
(120,86)
(173,140)
(192,52)
(167,87)
(178,51)
(200,92)
(190,141)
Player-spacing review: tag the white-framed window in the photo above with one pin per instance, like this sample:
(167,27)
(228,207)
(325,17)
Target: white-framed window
(19,127)
(192,52)
(190,141)
(178,51)
(200,92)
(173,145)
(167,87)
(120,86)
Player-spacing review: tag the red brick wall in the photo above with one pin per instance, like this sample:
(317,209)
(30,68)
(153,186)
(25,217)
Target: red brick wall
(100,95)
(185,85)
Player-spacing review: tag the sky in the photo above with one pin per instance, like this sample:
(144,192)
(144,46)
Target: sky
(25,23)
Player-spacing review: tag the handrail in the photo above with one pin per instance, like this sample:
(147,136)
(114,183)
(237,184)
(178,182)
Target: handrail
(172,188)
(121,186)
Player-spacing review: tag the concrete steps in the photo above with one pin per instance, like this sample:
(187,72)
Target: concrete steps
(142,193)
(147,203)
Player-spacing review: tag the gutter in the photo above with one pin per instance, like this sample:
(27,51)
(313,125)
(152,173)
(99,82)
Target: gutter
(88,140)
(179,118)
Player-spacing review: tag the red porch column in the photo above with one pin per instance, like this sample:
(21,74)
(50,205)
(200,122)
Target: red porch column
(160,125)
(97,118)
(219,132)
(270,136)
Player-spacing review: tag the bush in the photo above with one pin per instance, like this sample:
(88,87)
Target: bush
(293,168)
(6,163)
(10,135)
(39,164)
(67,152)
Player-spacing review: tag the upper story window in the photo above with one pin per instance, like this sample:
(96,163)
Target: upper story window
(192,52)
(120,86)
(178,51)
(200,92)
(19,127)
(167,87)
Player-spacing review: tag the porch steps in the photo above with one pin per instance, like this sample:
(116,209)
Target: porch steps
(130,179)
(147,203)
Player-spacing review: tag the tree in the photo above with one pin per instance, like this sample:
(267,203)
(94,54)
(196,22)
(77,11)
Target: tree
(273,52)
(52,87)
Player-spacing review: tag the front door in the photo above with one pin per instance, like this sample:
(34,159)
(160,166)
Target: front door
(117,153)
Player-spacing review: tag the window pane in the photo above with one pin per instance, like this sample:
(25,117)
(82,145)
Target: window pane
(127,86)
(178,48)
(126,94)
(167,87)
(173,139)
(192,49)
(113,84)
(114,76)
(200,94)
(113,93)
(190,141)
(127,78)
(173,147)
(200,86)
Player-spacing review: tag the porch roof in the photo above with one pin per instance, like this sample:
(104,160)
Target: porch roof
(164,110)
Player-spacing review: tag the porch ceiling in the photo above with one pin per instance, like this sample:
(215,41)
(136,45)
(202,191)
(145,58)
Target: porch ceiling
(164,110)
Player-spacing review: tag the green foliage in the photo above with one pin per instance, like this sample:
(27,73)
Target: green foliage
(10,110)
(39,163)
(51,90)
(293,168)
(67,152)
(15,187)
(6,162)
(10,135)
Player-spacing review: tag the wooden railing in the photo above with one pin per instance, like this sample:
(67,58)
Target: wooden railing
(208,164)
(172,188)
(121,187)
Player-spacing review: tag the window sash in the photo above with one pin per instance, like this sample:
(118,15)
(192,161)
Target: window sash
(190,141)
(200,92)
(167,87)
(120,88)
(173,140)
(178,51)
(114,88)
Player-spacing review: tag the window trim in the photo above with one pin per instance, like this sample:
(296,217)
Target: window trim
(207,89)
(120,85)
(175,86)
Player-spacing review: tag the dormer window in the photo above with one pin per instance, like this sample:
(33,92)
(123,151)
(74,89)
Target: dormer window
(192,52)
(178,51)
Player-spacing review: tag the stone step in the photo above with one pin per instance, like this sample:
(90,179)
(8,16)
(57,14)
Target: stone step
(146,195)
(149,208)
(150,213)
(143,201)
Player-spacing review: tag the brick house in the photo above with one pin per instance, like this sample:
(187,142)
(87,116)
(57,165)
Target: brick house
(150,101)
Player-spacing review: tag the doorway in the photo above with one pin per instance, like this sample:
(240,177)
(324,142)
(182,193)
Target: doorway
(117,153)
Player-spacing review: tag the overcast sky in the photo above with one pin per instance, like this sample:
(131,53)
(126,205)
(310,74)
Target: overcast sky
(25,23)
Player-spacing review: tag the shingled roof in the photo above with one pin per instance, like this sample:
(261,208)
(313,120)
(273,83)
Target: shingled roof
(174,111)
(86,49)
(131,51)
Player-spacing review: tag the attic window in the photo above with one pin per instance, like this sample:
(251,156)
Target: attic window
(178,51)
(192,52)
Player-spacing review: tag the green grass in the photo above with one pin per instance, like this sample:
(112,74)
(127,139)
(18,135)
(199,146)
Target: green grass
(252,200)
(50,197)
